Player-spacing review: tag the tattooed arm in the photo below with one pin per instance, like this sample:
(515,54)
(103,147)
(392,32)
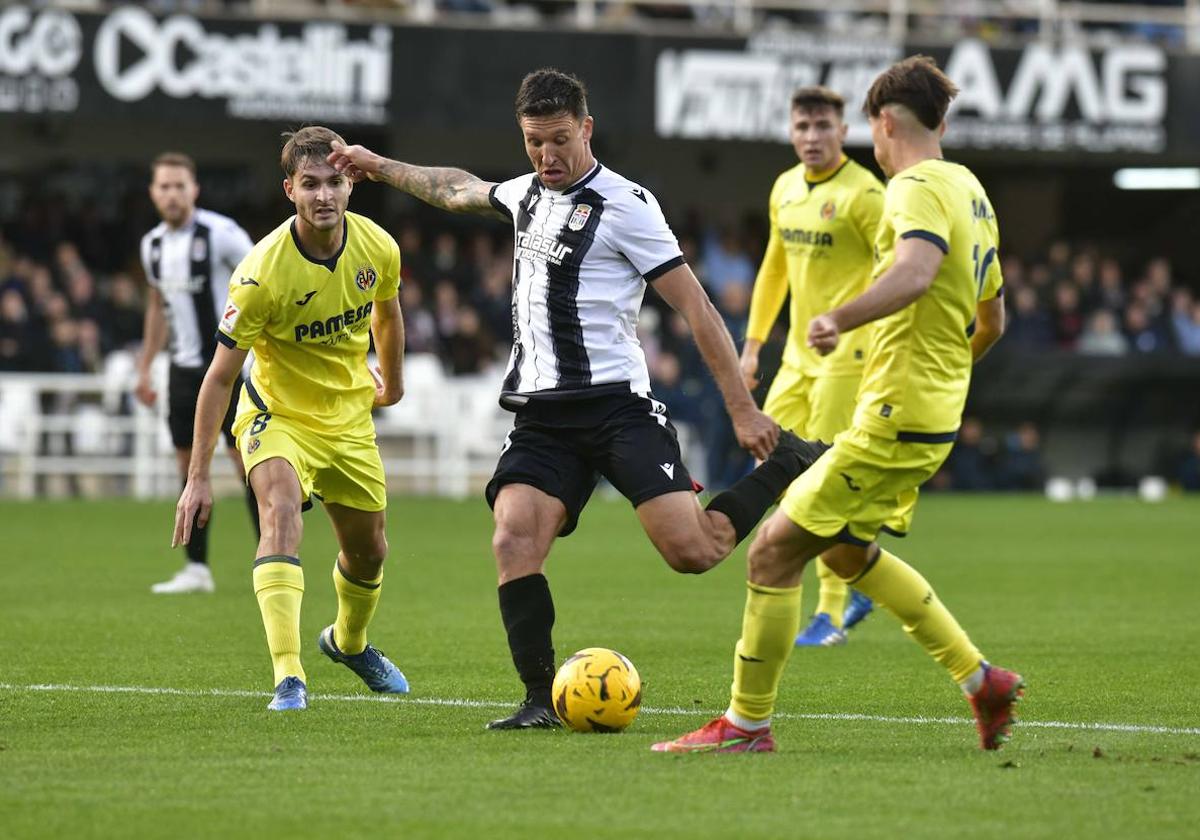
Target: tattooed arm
(450,189)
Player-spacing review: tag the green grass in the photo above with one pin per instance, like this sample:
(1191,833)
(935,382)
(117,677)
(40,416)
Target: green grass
(1094,603)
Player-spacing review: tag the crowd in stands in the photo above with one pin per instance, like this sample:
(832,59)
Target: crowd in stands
(71,292)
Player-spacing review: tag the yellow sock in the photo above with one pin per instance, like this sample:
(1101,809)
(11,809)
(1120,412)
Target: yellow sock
(279,587)
(769,625)
(833,594)
(901,590)
(356,605)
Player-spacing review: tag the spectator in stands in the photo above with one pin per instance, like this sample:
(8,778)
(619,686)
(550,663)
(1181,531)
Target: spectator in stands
(470,347)
(1068,319)
(970,464)
(18,336)
(1022,468)
(1102,336)
(1145,334)
(493,299)
(1111,291)
(726,262)
(1030,326)
(123,315)
(64,333)
(420,330)
(1185,322)
(1189,469)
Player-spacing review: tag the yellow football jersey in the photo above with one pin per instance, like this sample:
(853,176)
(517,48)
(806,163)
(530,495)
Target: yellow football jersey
(919,362)
(820,248)
(308,322)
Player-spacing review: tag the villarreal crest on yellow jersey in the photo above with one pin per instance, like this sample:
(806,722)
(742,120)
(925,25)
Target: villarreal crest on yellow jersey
(308,322)
(918,367)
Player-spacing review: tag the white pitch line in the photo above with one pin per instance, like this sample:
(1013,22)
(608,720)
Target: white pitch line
(492,704)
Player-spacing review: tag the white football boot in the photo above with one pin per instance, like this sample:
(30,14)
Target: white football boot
(194,577)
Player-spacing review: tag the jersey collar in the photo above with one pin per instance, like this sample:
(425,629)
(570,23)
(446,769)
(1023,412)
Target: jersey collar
(330,263)
(811,183)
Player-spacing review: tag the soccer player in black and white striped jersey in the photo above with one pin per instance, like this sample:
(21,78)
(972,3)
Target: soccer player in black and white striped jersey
(188,258)
(587,241)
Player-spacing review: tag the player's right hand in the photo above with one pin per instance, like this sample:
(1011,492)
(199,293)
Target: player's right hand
(756,433)
(144,393)
(357,163)
(195,505)
(823,334)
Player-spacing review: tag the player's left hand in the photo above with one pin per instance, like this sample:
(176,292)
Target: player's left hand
(195,505)
(823,334)
(382,397)
(756,433)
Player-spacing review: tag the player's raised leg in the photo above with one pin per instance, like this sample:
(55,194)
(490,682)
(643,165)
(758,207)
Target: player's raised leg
(278,577)
(527,522)
(769,623)
(904,592)
(358,581)
(693,539)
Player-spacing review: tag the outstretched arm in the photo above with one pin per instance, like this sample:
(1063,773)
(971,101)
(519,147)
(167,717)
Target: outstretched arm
(450,189)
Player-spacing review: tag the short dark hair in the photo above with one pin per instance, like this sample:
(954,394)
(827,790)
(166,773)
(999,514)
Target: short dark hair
(815,97)
(549,92)
(916,83)
(308,142)
(173,159)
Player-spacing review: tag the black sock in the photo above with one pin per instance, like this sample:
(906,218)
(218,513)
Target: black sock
(252,505)
(197,547)
(527,611)
(751,497)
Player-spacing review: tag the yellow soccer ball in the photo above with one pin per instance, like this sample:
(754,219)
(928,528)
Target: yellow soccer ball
(597,690)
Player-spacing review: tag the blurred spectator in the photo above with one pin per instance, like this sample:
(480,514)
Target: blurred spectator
(1185,322)
(1189,469)
(123,317)
(1021,467)
(420,331)
(1102,336)
(726,263)
(1030,326)
(1145,335)
(470,347)
(970,465)
(1068,319)
(1111,293)
(18,340)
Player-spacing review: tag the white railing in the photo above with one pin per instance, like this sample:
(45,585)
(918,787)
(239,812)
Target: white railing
(85,435)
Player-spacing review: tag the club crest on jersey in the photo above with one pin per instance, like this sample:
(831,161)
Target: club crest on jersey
(366,277)
(828,211)
(579,217)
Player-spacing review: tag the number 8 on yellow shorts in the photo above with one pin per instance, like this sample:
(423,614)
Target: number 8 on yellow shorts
(344,468)
(863,485)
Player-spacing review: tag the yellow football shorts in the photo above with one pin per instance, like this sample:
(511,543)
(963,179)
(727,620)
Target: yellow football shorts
(344,469)
(863,485)
(814,407)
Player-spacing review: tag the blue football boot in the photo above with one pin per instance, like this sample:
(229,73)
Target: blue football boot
(290,695)
(820,633)
(860,607)
(375,669)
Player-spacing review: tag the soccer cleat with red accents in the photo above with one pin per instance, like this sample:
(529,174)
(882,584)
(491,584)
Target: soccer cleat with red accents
(993,705)
(720,736)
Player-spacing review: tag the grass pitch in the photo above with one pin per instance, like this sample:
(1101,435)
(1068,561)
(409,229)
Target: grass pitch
(127,714)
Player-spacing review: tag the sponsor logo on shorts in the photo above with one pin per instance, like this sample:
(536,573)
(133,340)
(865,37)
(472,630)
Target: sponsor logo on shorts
(669,469)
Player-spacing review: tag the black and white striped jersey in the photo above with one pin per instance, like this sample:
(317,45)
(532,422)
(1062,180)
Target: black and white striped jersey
(582,258)
(190,266)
